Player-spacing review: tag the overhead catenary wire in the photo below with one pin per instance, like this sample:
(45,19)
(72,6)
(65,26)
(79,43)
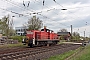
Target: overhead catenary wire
(49,9)
(20,7)
(33,13)
(52,19)
(77,7)
(41,11)
(55,9)
(72,8)
(45,16)
(57,3)
(27,9)
(13,12)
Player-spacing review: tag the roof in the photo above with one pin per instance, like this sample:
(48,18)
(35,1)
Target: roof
(46,30)
(63,33)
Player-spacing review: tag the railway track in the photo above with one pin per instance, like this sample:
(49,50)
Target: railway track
(37,53)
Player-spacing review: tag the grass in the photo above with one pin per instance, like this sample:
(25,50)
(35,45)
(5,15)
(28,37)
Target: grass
(11,45)
(83,55)
(61,41)
(62,56)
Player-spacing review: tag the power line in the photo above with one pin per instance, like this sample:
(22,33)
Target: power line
(25,15)
(27,9)
(57,3)
(35,13)
(72,8)
(20,7)
(14,12)
(47,7)
(39,14)
(49,18)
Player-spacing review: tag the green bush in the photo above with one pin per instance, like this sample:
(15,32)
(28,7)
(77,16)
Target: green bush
(19,38)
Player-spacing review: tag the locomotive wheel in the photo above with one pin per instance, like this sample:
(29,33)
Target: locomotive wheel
(31,45)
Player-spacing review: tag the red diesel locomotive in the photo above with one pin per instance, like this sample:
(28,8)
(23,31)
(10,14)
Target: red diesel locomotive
(43,37)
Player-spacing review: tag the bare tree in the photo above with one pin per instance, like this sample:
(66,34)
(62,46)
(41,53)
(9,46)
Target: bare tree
(34,23)
(63,30)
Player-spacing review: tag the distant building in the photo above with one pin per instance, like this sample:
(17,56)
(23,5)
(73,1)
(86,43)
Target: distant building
(20,31)
(64,35)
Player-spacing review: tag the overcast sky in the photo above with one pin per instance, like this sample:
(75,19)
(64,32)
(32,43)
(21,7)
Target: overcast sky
(52,15)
